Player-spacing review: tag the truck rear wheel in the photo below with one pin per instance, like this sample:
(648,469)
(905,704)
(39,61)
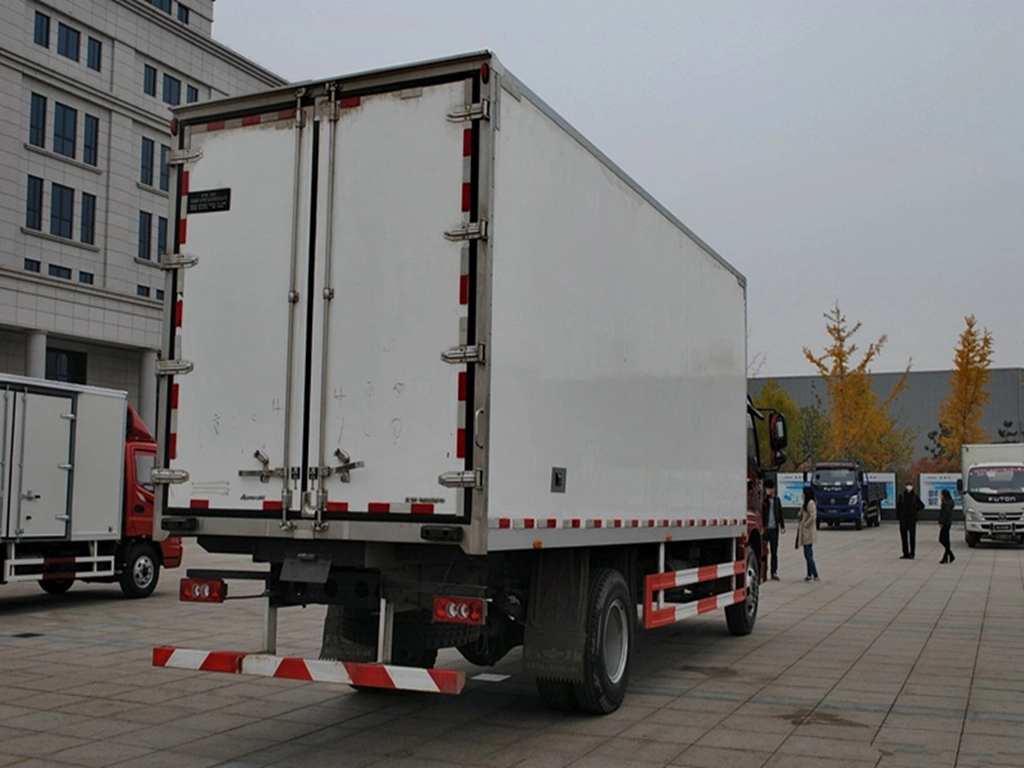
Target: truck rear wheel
(141,571)
(56,586)
(741,617)
(610,620)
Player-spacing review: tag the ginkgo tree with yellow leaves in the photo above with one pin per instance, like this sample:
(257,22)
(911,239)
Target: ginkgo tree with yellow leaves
(861,426)
(960,413)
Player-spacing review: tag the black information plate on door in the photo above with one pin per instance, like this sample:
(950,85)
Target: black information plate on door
(209,201)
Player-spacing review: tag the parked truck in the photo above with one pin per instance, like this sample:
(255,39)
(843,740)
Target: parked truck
(436,362)
(76,499)
(843,494)
(992,487)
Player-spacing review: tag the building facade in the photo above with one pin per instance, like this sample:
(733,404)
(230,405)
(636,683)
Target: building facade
(917,407)
(86,86)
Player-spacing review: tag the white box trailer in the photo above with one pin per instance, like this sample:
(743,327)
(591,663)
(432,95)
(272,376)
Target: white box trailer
(992,486)
(428,343)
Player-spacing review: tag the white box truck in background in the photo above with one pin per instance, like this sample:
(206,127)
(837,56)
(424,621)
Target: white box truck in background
(76,502)
(442,366)
(992,487)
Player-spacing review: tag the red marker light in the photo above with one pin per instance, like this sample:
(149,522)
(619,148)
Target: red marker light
(459,610)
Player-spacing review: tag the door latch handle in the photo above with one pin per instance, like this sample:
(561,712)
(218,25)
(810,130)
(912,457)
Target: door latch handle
(476,428)
(65,518)
(30,496)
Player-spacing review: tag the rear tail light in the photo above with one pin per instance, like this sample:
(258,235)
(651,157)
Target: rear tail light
(203,590)
(460,610)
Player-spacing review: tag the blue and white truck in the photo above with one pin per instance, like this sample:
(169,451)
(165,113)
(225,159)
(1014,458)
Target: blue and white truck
(843,494)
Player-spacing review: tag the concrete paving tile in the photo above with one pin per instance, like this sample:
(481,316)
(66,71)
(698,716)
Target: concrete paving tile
(818,761)
(743,739)
(644,750)
(323,757)
(831,748)
(594,760)
(929,739)
(158,737)
(169,760)
(223,746)
(100,754)
(997,746)
(37,744)
(213,722)
(9,759)
(713,757)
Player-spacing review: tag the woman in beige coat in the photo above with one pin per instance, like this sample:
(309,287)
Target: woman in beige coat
(808,533)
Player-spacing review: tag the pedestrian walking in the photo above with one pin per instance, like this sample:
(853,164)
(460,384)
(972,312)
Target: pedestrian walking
(907,507)
(945,521)
(774,522)
(807,533)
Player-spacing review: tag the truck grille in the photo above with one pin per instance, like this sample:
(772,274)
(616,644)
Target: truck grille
(998,517)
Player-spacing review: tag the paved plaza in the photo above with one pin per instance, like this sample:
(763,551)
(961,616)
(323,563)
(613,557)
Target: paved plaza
(885,662)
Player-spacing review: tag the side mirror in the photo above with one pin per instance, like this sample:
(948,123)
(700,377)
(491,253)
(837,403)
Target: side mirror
(777,436)
(778,459)
(959,485)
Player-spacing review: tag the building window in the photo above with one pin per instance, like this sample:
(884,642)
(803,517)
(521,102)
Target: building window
(62,272)
(145,235)
(65,122)
(91,142)
(182,14)
(85,277)
(172,90)
(32,265)
(161,237)
(149,80)
(42,30)
(147,162)
(159,294)
(34,204)
(142,290)
(62,210)
(65,365)
(88,229)
(67,41)
(191,94)
(95,54)
(165,179)
(37,121)
(163,5)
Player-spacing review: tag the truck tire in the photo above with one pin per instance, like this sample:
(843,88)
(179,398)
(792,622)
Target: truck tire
(972,539)
(859,523)
(56,586)
(557,694)
(141,571)
(611,615)
(741,617)
(817,523)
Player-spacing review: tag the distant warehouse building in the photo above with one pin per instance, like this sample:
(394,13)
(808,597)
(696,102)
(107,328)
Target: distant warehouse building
(917,407)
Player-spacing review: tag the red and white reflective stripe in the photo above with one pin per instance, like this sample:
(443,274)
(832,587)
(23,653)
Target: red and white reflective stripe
(179,310)
(387,676)
(466,204)
(501,523)
(673,613)
(672,579)
(241,122)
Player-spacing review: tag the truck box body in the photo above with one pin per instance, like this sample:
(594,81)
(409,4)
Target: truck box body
(993,491)
(596,346)
(62,461)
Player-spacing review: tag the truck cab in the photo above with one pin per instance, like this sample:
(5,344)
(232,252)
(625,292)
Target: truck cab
(843,495)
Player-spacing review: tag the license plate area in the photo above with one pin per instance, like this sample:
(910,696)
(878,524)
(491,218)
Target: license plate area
(1006,527)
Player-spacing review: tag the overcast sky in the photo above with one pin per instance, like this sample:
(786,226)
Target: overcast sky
(870,152)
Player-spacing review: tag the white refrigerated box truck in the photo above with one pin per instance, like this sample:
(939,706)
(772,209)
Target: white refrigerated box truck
(76,503)
(992,487)
(443,366)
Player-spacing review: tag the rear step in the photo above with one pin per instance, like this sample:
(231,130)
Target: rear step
(385,676)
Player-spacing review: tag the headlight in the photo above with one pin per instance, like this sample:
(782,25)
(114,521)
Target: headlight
(973,515)
(854,499)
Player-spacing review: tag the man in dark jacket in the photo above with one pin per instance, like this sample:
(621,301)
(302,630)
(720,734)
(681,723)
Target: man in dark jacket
(773,523)
(907,507)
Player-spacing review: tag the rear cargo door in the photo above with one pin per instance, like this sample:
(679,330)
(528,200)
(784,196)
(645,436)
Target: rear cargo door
(42,469)
(396,273)
(234,423)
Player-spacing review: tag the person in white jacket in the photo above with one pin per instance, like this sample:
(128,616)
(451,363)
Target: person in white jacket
(808,533)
